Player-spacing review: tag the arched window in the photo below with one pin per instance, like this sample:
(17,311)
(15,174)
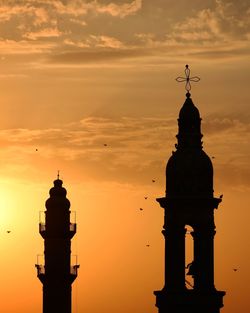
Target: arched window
(189,257)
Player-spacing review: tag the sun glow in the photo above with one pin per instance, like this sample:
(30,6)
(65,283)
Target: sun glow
(6,208)
(16,201)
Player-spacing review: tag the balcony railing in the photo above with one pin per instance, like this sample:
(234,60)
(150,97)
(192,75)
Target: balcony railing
(72,227)
(40,269)
(42,227)
(73,269)
(42,275)
(42,224)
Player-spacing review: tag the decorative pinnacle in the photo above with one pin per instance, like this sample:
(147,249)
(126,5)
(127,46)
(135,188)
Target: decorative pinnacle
(188,80)
(58,174)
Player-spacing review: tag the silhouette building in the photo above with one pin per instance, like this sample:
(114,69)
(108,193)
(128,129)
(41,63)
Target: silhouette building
(189,201)
(57,273)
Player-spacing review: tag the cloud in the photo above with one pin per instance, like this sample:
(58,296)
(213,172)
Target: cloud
(125,150)
(120,10)
(217,125)
(131,153)
(78,29)
(227,21)
(44,33)
(107,42)
(9,10)
(93,55)
(12,47)
(226,139)
(96,42)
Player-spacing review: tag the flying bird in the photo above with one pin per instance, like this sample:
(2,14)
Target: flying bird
(36,149)
(235,269)
(8,231)
(145,198)
(147,245)
(213,157)
(153,181)
(221,196)
(105,145)
(141,209)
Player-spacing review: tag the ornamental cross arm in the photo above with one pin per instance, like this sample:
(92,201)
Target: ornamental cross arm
(188,79)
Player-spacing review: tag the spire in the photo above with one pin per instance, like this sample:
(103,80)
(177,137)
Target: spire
(189,135)
(189,162)
(189,122)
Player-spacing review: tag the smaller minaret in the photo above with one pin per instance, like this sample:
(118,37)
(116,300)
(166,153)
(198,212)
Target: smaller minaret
(57,274)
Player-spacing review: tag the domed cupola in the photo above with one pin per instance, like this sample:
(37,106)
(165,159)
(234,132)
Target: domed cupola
(58,197)
(189,172)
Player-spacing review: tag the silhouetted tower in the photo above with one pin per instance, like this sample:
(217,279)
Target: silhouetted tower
(57,274)
(189,200)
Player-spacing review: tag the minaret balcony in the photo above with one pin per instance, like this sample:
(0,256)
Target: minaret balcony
(72,229)
(42,229)
(73,272)
(42,224)
(40,271)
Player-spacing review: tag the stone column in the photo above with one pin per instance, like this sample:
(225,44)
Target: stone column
(204,257)
(174,257)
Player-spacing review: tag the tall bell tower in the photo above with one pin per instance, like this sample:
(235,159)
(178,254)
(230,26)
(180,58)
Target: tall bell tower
(57,273)
(189,201)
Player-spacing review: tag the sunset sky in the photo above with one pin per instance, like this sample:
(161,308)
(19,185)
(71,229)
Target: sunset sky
(78,74)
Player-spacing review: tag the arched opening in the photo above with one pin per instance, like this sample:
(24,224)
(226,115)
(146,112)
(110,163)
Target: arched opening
(189,257)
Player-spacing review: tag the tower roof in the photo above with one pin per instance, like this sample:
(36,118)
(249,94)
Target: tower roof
(58,190)
(57,196)
(189,122)
(189,170)
(189,111)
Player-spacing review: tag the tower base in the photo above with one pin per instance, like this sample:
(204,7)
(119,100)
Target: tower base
(189,301)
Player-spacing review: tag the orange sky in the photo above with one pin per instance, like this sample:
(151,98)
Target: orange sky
(76,74)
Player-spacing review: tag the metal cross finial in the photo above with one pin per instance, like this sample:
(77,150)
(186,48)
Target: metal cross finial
(58,174)
(188,80)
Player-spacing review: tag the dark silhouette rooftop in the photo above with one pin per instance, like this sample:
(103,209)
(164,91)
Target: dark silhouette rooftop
(189,201)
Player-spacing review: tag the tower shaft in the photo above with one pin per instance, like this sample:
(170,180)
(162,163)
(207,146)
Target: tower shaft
(57,273)
(189,201)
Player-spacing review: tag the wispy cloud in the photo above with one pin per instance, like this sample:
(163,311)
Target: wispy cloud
(218,30)
(126,149)
(44,33)
(13,47)
(93,55)
(121,10)
(227,21)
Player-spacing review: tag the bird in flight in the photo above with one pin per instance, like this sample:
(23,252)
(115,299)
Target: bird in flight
(36,149)
(145,198)
(235,269)
(147,245)
(105,145)
(153,181)
(221,196)
(8,231)
(141,209)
